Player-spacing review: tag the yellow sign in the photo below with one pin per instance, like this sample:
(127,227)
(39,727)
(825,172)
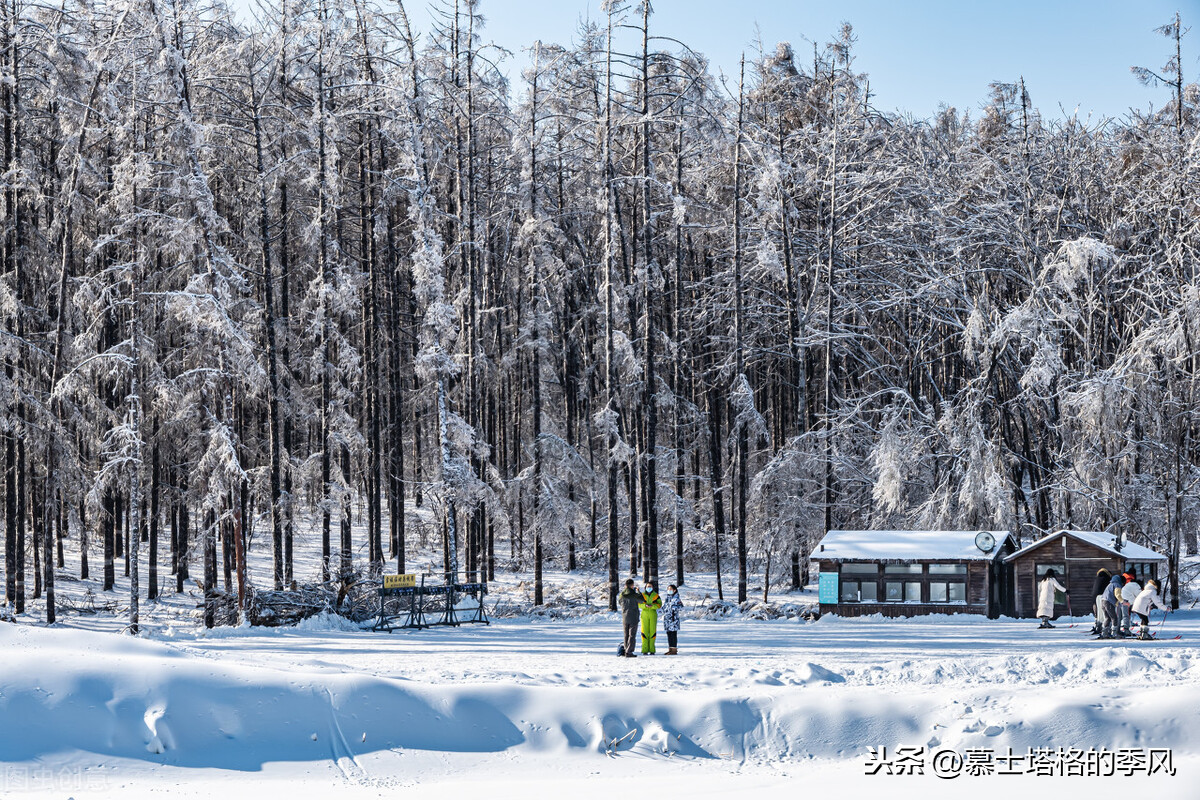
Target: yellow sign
(406,581)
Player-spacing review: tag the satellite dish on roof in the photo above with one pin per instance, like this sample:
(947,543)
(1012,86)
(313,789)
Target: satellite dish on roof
(985,541)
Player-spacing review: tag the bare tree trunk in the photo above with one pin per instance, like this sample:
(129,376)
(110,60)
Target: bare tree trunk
(324,309)
(35,528)
(210,569)
(677,378)
(284,375)
(273,425)
(152,567)
(609,325)
(344,562)
(649,389)
(84,572)
(13,265)
(536,368)
(134,526)
(51,519)
(181,572)
(827,488)
(740,366)
(240,505)
(108,532)
(716,482)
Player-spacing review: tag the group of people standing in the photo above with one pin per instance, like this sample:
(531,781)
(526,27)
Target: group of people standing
(641,608)
(1117,600)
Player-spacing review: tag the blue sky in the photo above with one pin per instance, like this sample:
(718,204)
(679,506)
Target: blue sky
(919,54)
(1073,54)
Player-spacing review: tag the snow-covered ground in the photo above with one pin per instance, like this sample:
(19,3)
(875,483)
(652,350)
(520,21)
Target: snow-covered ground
(531,705)
(528,704)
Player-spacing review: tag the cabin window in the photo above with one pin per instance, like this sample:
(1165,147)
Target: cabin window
(859,583)
(903,569)
(1143,569)
(947,569)
(859,591)
(947,592)
(1060,571)
(903,591)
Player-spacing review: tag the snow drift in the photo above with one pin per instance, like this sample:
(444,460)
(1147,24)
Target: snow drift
(92,693)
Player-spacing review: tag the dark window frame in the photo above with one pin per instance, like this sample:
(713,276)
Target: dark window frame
(858,592)
(915,588)
(948,589)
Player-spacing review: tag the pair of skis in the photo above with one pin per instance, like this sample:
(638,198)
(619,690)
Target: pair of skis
(1151,638)
(1154,637)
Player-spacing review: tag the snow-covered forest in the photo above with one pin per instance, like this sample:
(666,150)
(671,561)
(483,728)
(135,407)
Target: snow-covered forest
(306,267)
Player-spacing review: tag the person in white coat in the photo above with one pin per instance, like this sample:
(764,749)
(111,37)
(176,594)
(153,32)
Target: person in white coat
(1046,590)
(672,610)
(1147,599)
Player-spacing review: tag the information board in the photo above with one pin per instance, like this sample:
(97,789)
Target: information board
(406,581)
(827,587)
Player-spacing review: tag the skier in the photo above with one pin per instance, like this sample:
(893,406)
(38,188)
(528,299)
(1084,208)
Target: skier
(1109,599)
(650,604)
(1103,576)
(1147,598)
(1127,594)
(1046,590)
(629,598)
(672,608)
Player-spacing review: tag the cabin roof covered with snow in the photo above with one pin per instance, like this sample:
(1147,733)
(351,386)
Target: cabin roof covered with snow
(1099,539)
(906,546)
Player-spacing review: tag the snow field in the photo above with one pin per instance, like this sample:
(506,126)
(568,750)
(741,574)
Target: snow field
(533,705)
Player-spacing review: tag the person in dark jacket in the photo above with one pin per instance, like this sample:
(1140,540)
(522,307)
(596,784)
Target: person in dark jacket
(631,615)
(1109,599)
(1103,576)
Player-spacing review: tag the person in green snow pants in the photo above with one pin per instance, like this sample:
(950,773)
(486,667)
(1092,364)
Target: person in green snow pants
(649,605)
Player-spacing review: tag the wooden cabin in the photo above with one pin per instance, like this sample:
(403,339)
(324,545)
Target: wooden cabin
(909,573)
(1076,557)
